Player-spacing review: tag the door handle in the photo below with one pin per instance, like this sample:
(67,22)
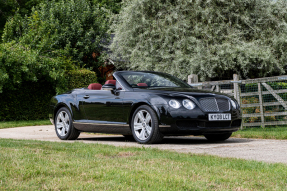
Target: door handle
(86,96)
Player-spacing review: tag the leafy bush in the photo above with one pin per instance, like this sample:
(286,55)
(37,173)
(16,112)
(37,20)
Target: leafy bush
(9,7)
(56,37)
(46,49)
(113,5)
(209,38)
(19,63)
(67,28)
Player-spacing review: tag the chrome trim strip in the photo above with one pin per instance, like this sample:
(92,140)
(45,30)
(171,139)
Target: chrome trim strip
(164,126)
(216,104)
(91,122)
(103,124)
(113,123)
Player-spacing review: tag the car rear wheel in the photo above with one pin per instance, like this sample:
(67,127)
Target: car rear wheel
(218,137)
(64,125)
(144,126)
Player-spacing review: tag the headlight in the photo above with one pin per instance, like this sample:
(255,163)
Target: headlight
(173,103)
(234,105)
(188,104)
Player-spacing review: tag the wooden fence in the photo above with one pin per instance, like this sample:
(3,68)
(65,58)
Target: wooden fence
(263,100)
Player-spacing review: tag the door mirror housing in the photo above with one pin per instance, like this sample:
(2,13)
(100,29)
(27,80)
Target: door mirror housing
(108,87)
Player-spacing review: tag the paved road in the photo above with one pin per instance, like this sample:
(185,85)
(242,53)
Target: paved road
(251,149)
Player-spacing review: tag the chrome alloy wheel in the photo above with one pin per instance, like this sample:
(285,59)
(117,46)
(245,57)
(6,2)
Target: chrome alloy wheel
(142,124)
(63,123)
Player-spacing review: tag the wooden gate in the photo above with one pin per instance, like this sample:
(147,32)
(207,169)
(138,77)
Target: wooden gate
(263,100)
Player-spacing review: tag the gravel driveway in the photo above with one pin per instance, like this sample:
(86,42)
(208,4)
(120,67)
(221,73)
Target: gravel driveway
(251,149)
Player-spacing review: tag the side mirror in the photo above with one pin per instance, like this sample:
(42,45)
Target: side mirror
(108,87)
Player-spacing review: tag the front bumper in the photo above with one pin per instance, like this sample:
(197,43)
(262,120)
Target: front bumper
(195,122)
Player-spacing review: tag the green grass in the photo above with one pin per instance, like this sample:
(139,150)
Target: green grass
(262,133)
(9,124)
(36,165)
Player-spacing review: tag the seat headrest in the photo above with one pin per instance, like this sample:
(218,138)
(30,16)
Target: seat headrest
(142,84)
(95,86)
(111,82)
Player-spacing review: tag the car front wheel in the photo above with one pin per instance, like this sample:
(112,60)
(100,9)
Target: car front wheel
(64,125)
(144,126)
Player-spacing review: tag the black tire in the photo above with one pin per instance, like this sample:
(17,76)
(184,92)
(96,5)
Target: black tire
(68,132)
(217,137)
(150,129)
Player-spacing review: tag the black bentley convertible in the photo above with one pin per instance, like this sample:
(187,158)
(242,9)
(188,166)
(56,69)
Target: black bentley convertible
(147,106)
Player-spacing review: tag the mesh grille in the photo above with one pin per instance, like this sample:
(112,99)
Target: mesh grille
(209,104)
(215,104)
(223,104)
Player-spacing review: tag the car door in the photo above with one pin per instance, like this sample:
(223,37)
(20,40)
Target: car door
(103,106)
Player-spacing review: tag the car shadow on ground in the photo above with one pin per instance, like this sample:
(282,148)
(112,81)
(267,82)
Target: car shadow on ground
(201,140)
(175,140)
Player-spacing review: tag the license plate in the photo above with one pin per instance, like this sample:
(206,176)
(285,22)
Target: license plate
(219,117)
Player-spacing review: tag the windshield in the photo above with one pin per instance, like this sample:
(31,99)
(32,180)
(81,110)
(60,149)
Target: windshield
(152,79)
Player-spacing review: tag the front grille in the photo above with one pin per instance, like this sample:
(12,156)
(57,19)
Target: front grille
(209,104)
(223,104)
(214,104)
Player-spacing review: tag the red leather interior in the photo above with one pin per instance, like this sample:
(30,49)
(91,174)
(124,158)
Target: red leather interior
(111,82)
(95,86)
(142,84)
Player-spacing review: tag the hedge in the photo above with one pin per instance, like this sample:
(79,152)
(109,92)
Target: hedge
(30,101)
(80,78)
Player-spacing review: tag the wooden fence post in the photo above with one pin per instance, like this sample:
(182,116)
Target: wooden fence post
(237,92)
(236,88)
(193,78)
(261,105)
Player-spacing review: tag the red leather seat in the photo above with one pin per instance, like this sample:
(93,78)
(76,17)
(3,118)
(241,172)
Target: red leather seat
(111,82)
(142,84)
(95,86)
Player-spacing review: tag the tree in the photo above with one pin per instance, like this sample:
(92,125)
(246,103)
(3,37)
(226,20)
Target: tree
(113,5)
(9,7)
(55,37)
(68,28)
(209,38)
